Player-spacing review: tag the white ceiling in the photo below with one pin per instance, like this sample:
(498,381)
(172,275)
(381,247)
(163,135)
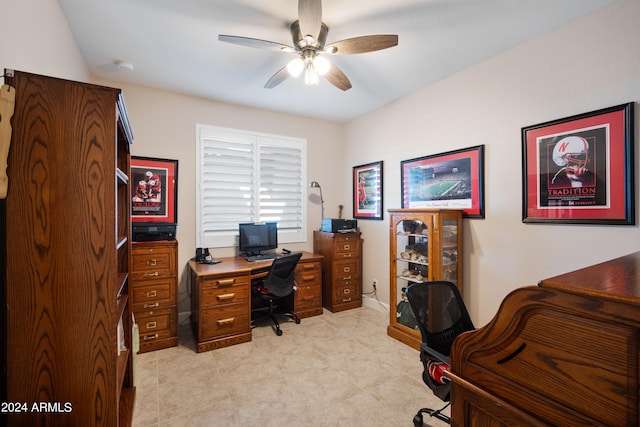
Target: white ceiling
(173,44)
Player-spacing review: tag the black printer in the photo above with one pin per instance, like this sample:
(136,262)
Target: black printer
(334,225)
(152,231)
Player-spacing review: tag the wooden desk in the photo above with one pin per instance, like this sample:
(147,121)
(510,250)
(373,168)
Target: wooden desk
(221,297)
(565,352)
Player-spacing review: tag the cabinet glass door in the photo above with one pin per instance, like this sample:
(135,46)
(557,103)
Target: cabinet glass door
(412,265)
(450,251)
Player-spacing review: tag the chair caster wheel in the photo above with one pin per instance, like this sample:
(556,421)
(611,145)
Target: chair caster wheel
(278,332)
(297,320)
(417,420)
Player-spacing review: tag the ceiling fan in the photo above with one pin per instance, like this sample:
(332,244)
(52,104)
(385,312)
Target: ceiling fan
(309,35)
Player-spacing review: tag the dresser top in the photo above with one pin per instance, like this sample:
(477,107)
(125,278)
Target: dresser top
(616,279)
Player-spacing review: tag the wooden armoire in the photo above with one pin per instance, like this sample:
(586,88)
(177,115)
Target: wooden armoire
(67,253)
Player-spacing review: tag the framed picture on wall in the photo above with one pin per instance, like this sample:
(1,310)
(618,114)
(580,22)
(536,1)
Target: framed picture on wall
(451,180)
(579,169)
(154,190)
(367,191)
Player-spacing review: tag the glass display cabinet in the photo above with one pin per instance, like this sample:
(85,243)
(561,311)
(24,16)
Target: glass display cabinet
(425,245)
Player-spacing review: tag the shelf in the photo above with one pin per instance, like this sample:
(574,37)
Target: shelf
(123,360)
(410,279)
(425,263)
(125,409)
(122,304)
(423,236)
(122,176)
(121,242)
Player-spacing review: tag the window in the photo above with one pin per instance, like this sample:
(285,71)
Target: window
(243,176)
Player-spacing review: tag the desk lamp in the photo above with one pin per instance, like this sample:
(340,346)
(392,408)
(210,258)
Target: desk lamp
(314,184)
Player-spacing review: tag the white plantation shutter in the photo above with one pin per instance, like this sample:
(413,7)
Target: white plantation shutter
(248,177)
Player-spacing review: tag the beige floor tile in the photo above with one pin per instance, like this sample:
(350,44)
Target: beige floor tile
(337,369)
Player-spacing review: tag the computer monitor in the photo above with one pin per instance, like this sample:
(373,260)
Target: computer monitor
(257,237)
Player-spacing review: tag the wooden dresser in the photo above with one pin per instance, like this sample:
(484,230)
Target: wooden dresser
(154,282)
(341,269)
(221,297)
(565,352)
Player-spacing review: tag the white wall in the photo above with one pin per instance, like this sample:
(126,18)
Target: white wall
(587,65)
(164,126)
(35,37)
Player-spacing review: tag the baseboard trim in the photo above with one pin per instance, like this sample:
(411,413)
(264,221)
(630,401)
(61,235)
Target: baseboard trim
(375,304)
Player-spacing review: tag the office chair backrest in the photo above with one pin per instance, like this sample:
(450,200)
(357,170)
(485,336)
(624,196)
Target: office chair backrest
(440,313)
(280,279)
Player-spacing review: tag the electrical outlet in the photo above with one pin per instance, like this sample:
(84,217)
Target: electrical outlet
(375,283)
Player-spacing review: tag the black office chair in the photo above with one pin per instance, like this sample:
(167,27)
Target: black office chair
(441,316)
(275,287)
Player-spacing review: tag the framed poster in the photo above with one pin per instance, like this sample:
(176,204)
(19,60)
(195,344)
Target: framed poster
(367,191)
(579,169)
(154,190)
(451,180)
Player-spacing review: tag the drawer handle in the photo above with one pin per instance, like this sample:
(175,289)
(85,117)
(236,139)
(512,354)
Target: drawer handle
(229,321)
(308,266)
(346,247)
(151,294)
(150,337)
(346,299)
(346,255)
(309,277)
(150,275)
(226,282)
(152,325)
(346,291)
(226,297)
(151,262)
(345,278)
(346,269)
(154,305)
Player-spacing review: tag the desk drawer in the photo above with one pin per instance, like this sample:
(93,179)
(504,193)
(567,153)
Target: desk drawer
(308,297)
(157,295)
(226,282)
(225,320)
(308,277)
(214,296)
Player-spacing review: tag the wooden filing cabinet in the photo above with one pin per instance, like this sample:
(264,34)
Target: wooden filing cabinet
(308,296)
(341,269)
(154,280)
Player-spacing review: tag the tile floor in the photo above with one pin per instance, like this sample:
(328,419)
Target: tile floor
(337,369)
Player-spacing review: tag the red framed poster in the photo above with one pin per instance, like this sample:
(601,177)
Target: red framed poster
(451,180)
(154,190)
(367,191)
(579,169)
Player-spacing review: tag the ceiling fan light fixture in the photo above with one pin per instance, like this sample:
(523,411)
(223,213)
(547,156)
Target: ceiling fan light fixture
(311,76)
(321,65)
(295,67)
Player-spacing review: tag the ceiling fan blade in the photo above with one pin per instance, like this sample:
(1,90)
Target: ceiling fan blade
(362,44)
(336,77)
(310,17)
(257,43)
(280,76)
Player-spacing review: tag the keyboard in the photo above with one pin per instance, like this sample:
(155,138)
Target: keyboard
(255,258)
